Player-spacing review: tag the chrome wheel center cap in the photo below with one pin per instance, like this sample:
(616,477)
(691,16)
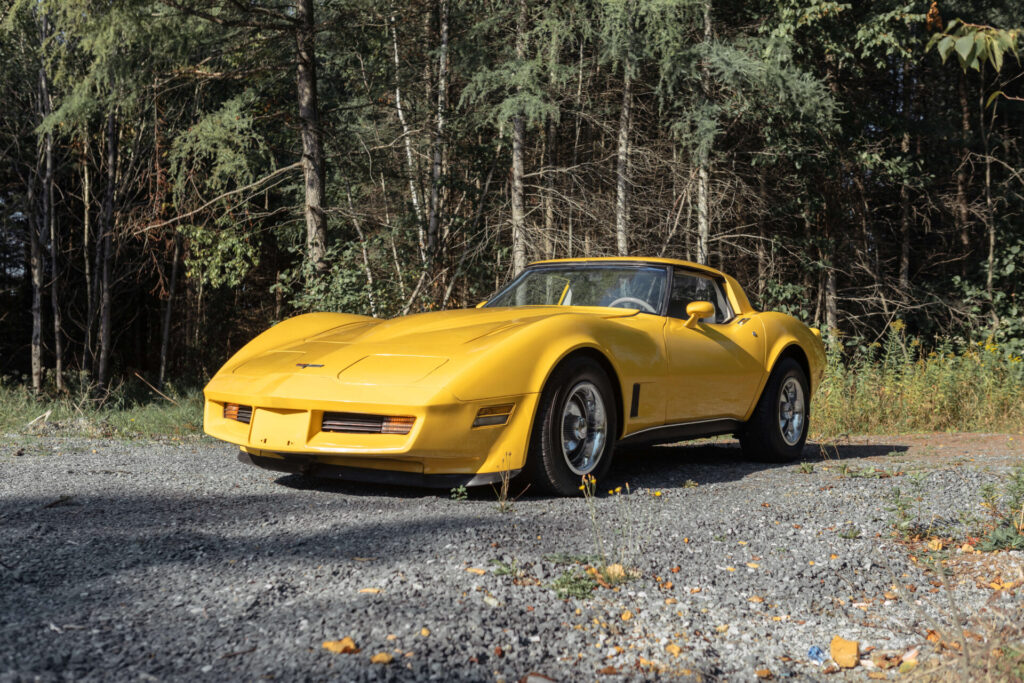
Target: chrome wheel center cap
(580,428)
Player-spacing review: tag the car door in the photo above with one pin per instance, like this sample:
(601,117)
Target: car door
(717,365)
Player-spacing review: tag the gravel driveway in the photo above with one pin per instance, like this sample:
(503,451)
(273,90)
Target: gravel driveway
(172,561)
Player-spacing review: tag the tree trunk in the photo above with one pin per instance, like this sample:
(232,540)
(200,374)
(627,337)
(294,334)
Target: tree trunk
(622,164)
(703,212)
(49,219)
(312,138)
(550,144)
(165,327)
(990,223)
(90,309)
(106,249)
(962,214)
(703,172)
(36,267)
(406,138)
(434,223)
(518,125)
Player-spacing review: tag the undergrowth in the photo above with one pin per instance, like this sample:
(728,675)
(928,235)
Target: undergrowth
(130,410)
(897,386)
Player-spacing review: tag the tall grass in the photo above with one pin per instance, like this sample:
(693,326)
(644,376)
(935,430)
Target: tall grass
(132,410)
(897,386)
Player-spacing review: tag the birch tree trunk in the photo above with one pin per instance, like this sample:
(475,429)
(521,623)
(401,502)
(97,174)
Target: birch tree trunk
(312,138)
(622,164)
(703,173)
(414,196)
(518,131)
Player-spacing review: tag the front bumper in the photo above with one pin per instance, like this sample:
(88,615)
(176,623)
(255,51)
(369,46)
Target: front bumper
(441,441)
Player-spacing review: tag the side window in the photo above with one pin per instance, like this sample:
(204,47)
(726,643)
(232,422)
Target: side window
(688,287)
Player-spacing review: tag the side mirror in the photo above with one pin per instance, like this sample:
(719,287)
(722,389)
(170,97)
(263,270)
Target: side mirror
(698,310)
(482,304)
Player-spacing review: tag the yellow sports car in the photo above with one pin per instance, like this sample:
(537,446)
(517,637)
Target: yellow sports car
(571,358)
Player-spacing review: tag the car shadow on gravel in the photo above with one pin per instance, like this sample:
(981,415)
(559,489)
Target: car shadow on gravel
(672,466)
(684,465)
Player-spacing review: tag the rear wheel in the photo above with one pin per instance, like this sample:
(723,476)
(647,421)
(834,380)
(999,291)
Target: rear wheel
(574,431)
(777,430)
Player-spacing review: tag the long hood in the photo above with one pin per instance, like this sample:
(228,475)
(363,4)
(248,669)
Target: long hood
(421,350)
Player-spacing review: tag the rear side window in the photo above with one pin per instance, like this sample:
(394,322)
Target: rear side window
(688,286)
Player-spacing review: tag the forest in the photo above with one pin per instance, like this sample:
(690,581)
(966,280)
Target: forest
(177,175)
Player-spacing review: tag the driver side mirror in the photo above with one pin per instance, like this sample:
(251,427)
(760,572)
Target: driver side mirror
(698,310)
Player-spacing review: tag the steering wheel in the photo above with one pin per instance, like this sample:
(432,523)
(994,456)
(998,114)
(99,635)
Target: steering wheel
(644,306)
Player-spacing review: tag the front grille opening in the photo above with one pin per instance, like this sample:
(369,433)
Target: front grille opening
(362,423)
(234,411)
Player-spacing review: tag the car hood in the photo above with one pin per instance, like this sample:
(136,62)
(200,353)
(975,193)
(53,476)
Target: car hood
(426,348)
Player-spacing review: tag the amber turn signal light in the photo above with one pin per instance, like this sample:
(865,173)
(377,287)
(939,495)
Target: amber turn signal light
(397,425)
(493,415)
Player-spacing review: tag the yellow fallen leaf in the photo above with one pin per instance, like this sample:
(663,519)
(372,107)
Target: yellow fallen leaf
(474,570)
(390,637)
(753,565)
(424,631)
(673,649)
(833,556)
(891,595)
(763,673)
(877,675)
(935,544)
(845,652)
(811,563)
(730,569)
(695,590)
(382,658)
(722,628)
(670,601)
(967,548)
(627,615)
(345,646)
(369,590)
(755,598)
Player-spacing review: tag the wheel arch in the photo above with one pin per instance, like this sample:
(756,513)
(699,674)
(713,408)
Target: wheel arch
(796,352)
(605,364)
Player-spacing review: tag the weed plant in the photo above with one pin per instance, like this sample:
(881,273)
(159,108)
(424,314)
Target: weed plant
(897,386)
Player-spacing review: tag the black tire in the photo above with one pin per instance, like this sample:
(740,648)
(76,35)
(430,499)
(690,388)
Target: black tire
(772,433)
(579,389)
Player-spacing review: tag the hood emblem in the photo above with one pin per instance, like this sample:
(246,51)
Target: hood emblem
(309,365)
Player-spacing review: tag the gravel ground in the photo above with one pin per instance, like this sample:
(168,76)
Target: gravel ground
(171,561)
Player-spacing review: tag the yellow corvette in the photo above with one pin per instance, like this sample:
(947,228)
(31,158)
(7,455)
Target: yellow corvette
(571,358)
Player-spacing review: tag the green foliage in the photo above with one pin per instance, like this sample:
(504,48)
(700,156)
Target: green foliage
(574,583)
(1008,513)
(459,493)
(975,45)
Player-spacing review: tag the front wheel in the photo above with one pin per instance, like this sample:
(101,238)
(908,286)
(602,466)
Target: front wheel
(574,431)
(777,430)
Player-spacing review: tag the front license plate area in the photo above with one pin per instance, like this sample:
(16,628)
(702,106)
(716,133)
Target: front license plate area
(279,429)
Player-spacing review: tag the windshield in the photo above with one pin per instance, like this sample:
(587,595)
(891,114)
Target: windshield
(640,288)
